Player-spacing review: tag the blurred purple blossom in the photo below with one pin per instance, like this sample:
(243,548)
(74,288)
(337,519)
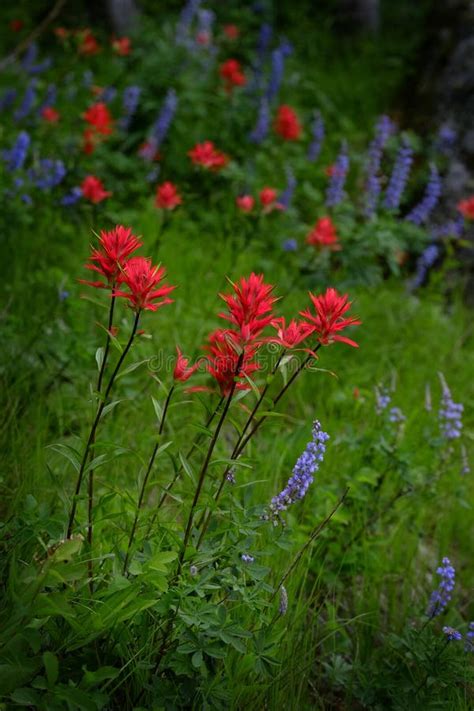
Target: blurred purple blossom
(335,190)
(425,207)
(442,595)
(16,156)
(317,132)
(399,176)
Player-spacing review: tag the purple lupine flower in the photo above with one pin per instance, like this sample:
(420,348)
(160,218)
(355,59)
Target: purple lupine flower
(446,138)
(41,67)
(27,102)
(286,196)
(72,197)
(383,129)
(452,635)
(382,400)
(263,43)
(317,132)
(130,99)
(290,245)
(303,473)
(470,638)
(422,211)
(399,176)
(262,126)
(16,156)
(442,595)
(47,174)
(246,558)
(185,20)
(205,22)
(108,94)
(451,228)
(161,126)
(425,261)
(283,604)
(29,57)
(8,99)
(49,98)
(335,190)
(450,413)
(230,476)
(396,416)
(279,56)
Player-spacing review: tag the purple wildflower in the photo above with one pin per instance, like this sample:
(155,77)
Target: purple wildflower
(49,98)
(72,197)
(27,102)
(451,228)
(382,400)
(425,261)
(399,176)
(442,595)
(161,126)
(8,99)
(279,56)
(383,129)
(452,635)
(317,131)
(205,22)
(422,211)
(108,94)
(286,196)
(130,99)
(335,190)
(30,56)
(450,414)
(262,127)
(446,138)
(246,558)
(185,20)
(303,472)
(396,416)
(290,245)
(87,78)
(47,174)
(470,638)
(16,156)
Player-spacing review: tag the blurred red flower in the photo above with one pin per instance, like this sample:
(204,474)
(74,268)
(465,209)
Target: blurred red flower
(245,203)
(143,278)
(208,156)
(232,74)
(167,196)
(93,189)
(122,46)
(466,208)
(50,114)
(287,124)
(88,44)
(232,32)
(328,320)
(324,235)
(98,116)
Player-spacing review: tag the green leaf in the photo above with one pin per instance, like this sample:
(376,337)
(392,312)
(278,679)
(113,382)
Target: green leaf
(51,666)
(68,452)
(99,357)
(196,659)
(187,467)
(91,678)
(67,549)
(161,560)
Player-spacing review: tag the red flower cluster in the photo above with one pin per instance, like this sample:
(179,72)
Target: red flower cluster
(50,114)
(109,258)
(113,262)
(167,196)
(232,74)
(287,124)
(328,317)
(208,156)
(292,335)
(93,189)
(101,123)
(232,32)
(122,46)
(182,369)
(268,201)
(88,45)
(245,203)
(466,208)
(324,235)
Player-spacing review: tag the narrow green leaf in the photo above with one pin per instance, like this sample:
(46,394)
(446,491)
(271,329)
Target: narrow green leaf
(51,666)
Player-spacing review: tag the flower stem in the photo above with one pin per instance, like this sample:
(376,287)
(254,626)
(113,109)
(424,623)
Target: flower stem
(91,438)
(145,479)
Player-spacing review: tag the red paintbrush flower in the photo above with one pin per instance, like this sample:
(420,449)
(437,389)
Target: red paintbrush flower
(122,46)
(292,335)
(208,156)
(328,319)
(287,124)
(249,307)
(98,116)
(245,203)
(324,235)
(232,32)
(142,278)
(93,189)
(182,369)
(49,114)
(466,208)
(88,44)
(225,358)
(167,196)
(110,257)
(268,197)
(232,74)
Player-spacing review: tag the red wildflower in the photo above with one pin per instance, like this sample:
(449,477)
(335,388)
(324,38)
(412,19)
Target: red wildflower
(50,115)
(16,25)
(330,170)
(98,116)
(142,278)
(224,355)
(292,335)
(245,203)
(232,74)
(110,257)
(182,371)
(89,141)
(324,234)
(466,207)
(61,32)
(93,189)
(250,307)
(167,196)
(287,124)
(268,198)
(232,32)
(203,38)
(88,43)
(122,46)
(328,319)
(208,156)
